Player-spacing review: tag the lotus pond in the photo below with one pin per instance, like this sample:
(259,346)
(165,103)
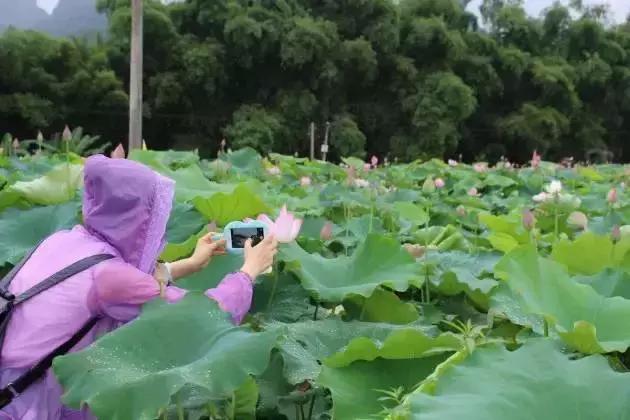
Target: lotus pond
(419,291)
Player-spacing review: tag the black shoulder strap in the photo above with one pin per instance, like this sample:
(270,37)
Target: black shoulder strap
(19,385)
(15,388)
(62,275)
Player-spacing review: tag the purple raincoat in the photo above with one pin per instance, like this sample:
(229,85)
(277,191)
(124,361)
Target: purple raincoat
(125,209)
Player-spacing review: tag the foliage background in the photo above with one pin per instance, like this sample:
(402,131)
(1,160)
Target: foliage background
(407,79)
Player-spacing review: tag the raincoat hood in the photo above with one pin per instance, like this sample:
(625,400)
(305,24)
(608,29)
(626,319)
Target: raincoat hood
(127,205)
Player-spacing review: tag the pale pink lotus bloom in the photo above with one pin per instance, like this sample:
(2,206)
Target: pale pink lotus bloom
(326,233)
(286,227)
(374,161)
(274,170)
(361,183)
(305,181)
(452,162)
(367,167)
(480,167)
(473,192)
(578,220)
(67,134)
(16,143)
(118,152)
(528,219)
(616,233)
(536,159)
(439,183)
(541,197)
(612,196)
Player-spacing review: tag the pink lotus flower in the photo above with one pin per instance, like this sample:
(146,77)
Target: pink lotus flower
(480,167)
(326,233)
(305,181)
(612,196)
(367,167)
(274,170)
(118,152)
(578,220)
(528,219)
(67,134)
(16,143)
(439,183)
(452,162)
(473,192)
(536,159)
(374,161)
(286,227)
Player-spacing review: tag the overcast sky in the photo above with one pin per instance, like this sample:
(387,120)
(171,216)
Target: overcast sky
(620,8)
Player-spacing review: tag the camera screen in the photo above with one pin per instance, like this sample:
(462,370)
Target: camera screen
(241,235)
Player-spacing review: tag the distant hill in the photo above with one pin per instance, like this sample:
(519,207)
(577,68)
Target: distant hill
(70,17)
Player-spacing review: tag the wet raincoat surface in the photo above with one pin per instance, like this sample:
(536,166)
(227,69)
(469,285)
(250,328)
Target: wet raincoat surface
(126,207)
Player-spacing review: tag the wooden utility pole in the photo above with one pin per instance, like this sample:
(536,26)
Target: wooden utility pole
(325,145)
(312,136)
(135,80)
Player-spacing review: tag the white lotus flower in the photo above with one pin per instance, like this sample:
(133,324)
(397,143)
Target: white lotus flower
(541,197)
(555,187)
(361,183)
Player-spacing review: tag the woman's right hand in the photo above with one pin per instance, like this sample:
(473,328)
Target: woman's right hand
(260,257)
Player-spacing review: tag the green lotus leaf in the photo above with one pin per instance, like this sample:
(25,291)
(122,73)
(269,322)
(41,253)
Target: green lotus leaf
(588,254)
(291,303)
(184,222)
(23,229)
(400,344)
(357,389)
(309,343)
(610,282)
(211,276)
(56,187)
(382,306)
(411,213)
(192,343)
(378,261)
(458,272)
(543,287)
(537,381)
(238,205)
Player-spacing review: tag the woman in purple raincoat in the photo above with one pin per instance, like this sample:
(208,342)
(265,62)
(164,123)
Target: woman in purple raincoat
(126,207)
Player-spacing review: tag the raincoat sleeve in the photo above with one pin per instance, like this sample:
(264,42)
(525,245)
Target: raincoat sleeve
(120,289)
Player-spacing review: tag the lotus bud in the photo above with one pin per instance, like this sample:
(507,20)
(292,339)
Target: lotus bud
(67,134)
(414,250)
(40,138)
(615,234)
(461,211)
(528,219)
(374,161)
(473,192)
(612,196)
(578,220)
(439,183)
(326,233)
(144,145)
(429,186)
(305,181)
(361,183)
(536,159)
(16,143)
(118,152)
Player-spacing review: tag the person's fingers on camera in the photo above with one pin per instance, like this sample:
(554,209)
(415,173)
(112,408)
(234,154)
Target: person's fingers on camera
(248,244)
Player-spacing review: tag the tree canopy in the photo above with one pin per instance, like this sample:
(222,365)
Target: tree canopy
(409,79)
